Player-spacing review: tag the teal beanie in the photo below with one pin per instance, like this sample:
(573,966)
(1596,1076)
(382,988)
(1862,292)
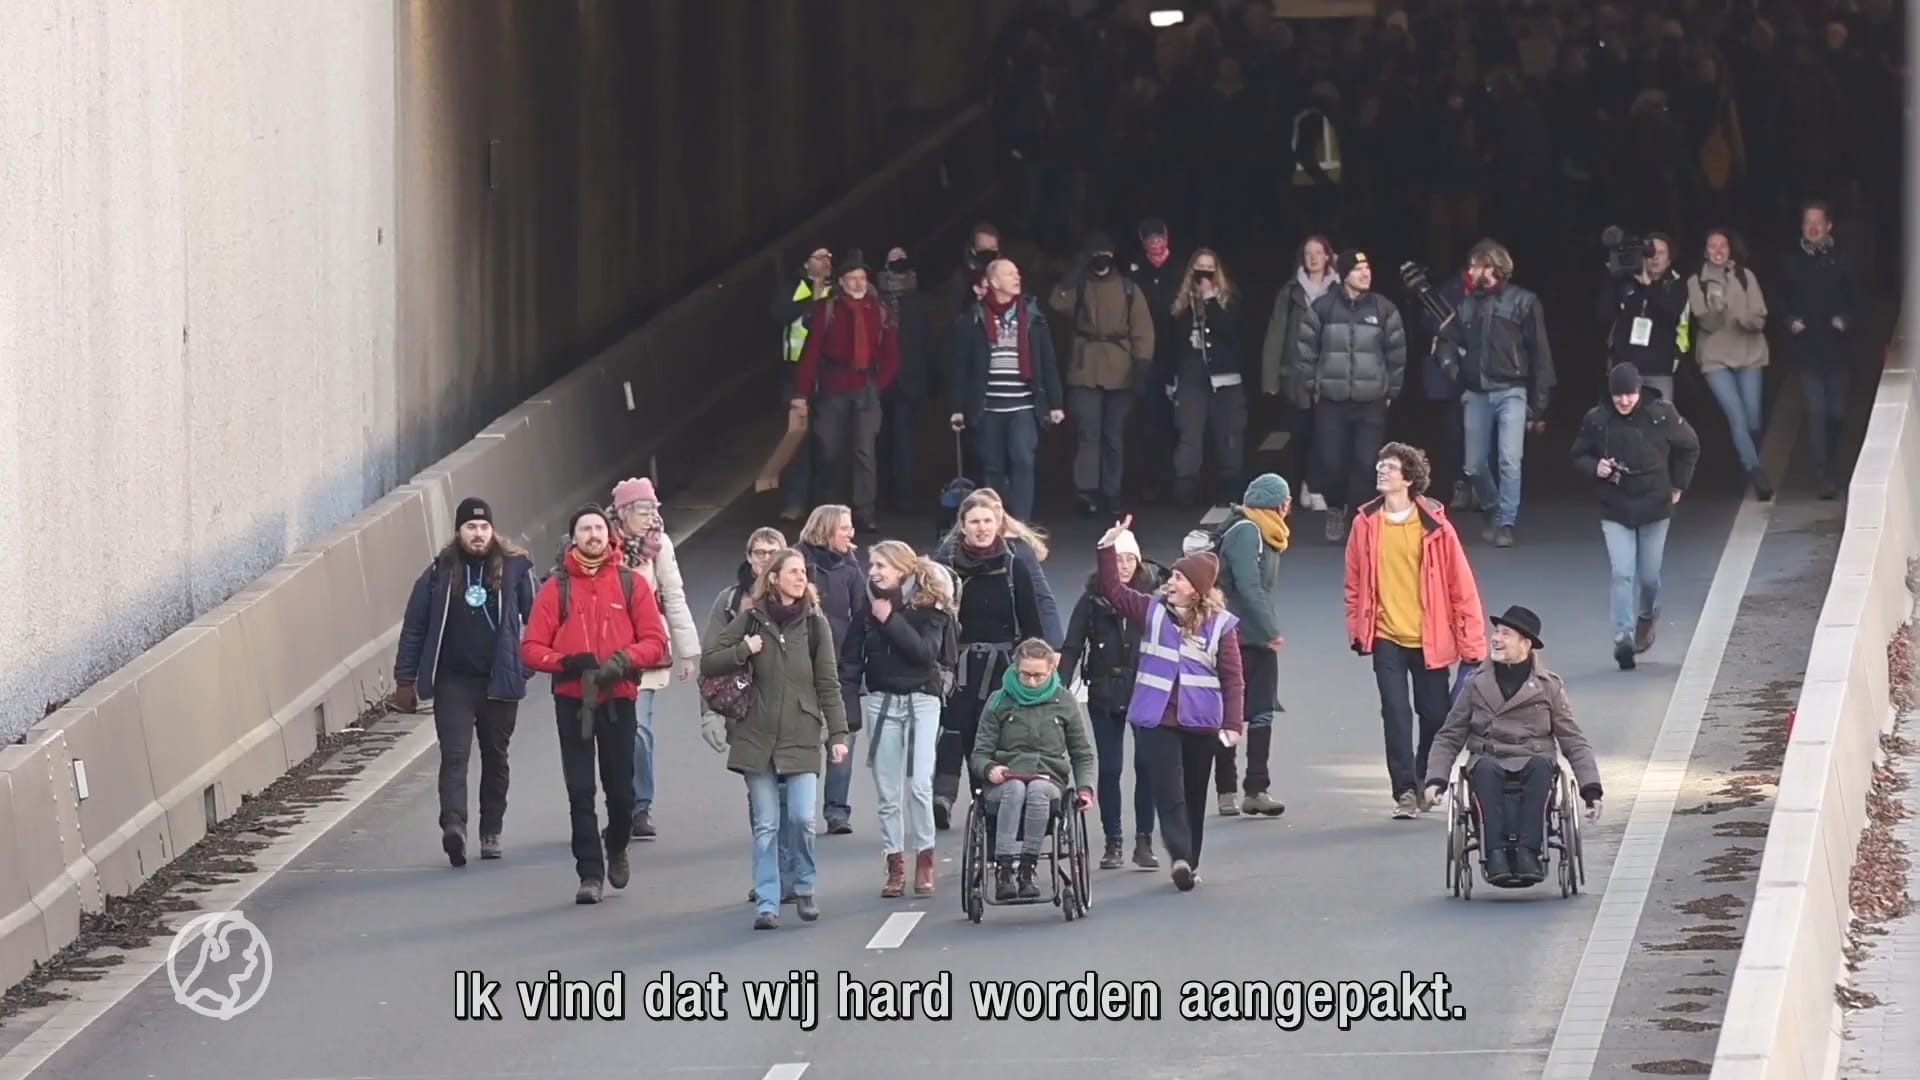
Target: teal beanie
(1268,490)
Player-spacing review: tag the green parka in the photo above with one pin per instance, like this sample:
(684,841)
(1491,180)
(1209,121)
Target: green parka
(796,692)
(1031,740)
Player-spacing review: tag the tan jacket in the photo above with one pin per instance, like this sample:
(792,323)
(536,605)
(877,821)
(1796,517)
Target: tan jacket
(1110,343)
(1732,319)
(1537,719)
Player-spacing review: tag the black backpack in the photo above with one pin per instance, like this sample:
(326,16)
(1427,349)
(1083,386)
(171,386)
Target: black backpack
(566,591)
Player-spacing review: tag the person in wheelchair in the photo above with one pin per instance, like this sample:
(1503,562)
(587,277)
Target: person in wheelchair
(1032,744)
(1510,716)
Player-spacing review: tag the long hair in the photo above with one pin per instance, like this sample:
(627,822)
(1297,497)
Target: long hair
(1300,259)
(1183,299)
(763,586)
(1010,527)
(822,523)
(1190,620)
(931,585)
(1492,253)
(1736,251)
(499,550)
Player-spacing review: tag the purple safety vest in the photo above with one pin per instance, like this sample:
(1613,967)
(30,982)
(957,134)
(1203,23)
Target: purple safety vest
(1167,658)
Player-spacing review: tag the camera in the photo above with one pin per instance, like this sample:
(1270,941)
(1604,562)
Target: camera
(1626,252)
(1420,283)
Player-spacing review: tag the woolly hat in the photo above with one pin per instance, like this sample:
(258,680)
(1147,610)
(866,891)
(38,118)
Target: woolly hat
(1624,379)
(633,490)
(585,511)
(472,508)
(1126,544)
(1202,571)
(1268,491)
(1349,261)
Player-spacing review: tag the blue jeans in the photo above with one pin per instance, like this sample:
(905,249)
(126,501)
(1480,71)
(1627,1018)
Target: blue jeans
(840,776)
(1635,555)
(1007,442)
(643,754)
(905,730)
(1738,392)
(788,845)
(767,797)
(1500,414)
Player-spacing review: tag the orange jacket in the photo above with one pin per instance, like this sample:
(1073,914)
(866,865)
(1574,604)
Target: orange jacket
(599,622)
(1452,622)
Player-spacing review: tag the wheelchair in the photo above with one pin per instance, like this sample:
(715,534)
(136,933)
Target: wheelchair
(1064,861)
(1564,848)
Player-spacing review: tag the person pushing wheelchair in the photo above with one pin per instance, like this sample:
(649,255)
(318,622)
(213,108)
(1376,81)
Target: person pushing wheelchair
(1510,716)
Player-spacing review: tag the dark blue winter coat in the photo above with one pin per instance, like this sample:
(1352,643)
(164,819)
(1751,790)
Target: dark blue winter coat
(425,624)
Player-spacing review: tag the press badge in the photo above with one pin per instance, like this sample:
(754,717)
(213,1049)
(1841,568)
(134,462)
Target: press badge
(1642,331)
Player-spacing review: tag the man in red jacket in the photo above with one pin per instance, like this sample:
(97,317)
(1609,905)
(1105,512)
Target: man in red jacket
(851,356)
(595,626)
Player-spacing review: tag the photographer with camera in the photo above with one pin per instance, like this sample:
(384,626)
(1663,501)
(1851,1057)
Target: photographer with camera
(1644,308)
(1641,454)
(1497,348)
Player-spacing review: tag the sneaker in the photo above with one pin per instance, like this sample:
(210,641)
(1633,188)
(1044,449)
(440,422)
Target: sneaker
(1264,805)
(839,827)
(1405,807)
(1090,505)
(1183,878)
(766,920)
(1643,633)
(1317,503)
(1229,804)
(453,840)
(806,908)
(1336,525)
(1143,856)
(1623,653)
(1828,489)
(618,869)
(490,847)
(1112,858)
(1462,496)
(589,892)
(643,826)
(1762,487)
(1500,536)
(942,813)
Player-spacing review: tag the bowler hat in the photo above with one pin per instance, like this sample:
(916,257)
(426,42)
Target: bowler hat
(1522,621)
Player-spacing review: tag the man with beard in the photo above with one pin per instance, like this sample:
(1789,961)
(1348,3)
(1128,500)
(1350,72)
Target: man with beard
(460,644)
(595,626)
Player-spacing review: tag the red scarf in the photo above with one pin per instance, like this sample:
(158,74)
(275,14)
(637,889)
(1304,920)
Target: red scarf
(994,308)
(862,342)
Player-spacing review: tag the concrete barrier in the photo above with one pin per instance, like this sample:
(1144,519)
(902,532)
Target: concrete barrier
(136,769)
(1783,1021)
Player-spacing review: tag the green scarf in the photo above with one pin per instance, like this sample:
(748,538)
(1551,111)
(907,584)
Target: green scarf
(1022,694)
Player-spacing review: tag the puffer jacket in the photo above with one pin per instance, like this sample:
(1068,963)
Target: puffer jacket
(1113,337)
(1104,645)
(1352,350)
(1732,317)
(1048,739)
(1657,448)
(796,691)
(903,653)
(1280,371)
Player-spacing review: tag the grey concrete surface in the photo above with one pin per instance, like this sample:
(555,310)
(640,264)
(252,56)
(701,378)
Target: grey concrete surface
(369,928)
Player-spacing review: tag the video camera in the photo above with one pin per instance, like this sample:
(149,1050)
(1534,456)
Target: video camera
(1626,253)
(1420,283)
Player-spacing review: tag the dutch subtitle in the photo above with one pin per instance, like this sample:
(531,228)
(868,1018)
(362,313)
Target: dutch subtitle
(803,998)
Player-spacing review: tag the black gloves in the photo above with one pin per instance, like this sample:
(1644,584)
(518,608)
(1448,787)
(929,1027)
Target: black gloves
(1590,794)
(579,663)
(1358,649)
(619,666)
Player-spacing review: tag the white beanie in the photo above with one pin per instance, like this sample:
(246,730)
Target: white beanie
(1125,544)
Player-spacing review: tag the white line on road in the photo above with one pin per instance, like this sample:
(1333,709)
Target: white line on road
(792,1070)
(1216,515)
(892,933)
(1275,442)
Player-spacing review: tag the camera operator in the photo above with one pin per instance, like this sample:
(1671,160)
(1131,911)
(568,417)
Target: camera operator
(1497,345)
(1641,454)
(1646,316)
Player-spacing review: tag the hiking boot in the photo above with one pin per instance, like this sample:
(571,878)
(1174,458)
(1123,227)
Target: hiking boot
(1112,858)
(1336,525)
(1623,653)
(806,908)
(1762,487)
(490,846)
(1143,856)
(589,891)
(766,920)
(896,876)
(453,840)
(1500,536)
(1183,878)
(1527,867)
(1003,880)
(1642,634)
(923,873)
(1264,805)
(1028,890)
(1405,807)
(1499,867)
(942,813)
(643,826)
(1229,804)
(618,870)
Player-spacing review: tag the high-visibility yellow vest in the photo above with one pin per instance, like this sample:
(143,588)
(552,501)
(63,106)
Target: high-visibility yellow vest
(1329,148)
(797,329)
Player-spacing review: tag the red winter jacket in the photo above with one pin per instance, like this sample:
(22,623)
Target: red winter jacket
(599,622)
(826,364)
(1452,625)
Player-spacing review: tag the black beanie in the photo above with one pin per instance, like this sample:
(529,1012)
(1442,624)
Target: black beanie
(1348,262)
(1623,380)
(472,508)
(574,521)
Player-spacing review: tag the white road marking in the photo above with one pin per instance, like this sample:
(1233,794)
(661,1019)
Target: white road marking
(789,1071)
(893,932)
(1276,442)
(1216,515)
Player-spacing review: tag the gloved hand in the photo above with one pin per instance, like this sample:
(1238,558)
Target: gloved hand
(1358,649)
(1591,794)
(713,728)
(579,663)
(404,698)
(617,667)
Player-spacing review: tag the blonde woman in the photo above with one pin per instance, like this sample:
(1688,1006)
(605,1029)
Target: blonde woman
(1209,391)
(786,642)
(646,549)
(1732,352)
(833,566)
(911,641)
(1028,544)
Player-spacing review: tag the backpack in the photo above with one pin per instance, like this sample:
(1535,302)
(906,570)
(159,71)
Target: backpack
(1080,309)
(566,591)
(947,660)
(731,695)
(1208,539)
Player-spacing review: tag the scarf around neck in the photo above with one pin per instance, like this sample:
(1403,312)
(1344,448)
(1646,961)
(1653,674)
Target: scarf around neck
(591,566)
(1022,694)
(781,611)
(1273,527)
(995,311)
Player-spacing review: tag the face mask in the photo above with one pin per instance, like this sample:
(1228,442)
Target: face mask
(1101,264)
(982,258)
(900,266)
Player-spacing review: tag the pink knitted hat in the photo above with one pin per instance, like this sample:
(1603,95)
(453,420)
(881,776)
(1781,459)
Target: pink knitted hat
(633,490)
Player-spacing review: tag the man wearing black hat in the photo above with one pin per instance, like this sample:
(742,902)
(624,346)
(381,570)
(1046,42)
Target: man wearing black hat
(595,627)
(460,647)
(1353,359)
(1113,342)
(1641,454)
(1510,717)
(850,359)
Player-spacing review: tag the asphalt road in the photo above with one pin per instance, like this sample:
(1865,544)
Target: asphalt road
(370,926)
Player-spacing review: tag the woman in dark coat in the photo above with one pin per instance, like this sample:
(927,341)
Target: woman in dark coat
(827,542)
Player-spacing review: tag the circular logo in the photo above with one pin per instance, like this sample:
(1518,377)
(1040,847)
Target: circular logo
(219,964)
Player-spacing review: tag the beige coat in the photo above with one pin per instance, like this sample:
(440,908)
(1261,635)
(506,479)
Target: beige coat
(663,573)
(1538,718)
(1110,346)
(1731,319)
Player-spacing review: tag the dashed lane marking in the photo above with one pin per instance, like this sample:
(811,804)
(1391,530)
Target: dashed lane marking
(1216,515)
(893,932)
(1276,442)
(792,1070)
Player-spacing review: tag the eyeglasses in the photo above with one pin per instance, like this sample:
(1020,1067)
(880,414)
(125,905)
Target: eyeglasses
(763,553)
(1035,679)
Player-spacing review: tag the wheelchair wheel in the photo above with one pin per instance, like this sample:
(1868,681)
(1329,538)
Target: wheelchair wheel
(1082,864)
(1063,883)
(1453,844)
(1564,864)
(973,864)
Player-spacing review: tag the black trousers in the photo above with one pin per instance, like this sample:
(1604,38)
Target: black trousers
(1824,385)
(1347,436)
(614,729)
(461,711)
(1179,760)
(1394,667)
(960,722)
(1516,818)
(1261,667)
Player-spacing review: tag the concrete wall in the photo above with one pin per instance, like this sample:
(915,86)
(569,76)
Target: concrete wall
(197,325)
